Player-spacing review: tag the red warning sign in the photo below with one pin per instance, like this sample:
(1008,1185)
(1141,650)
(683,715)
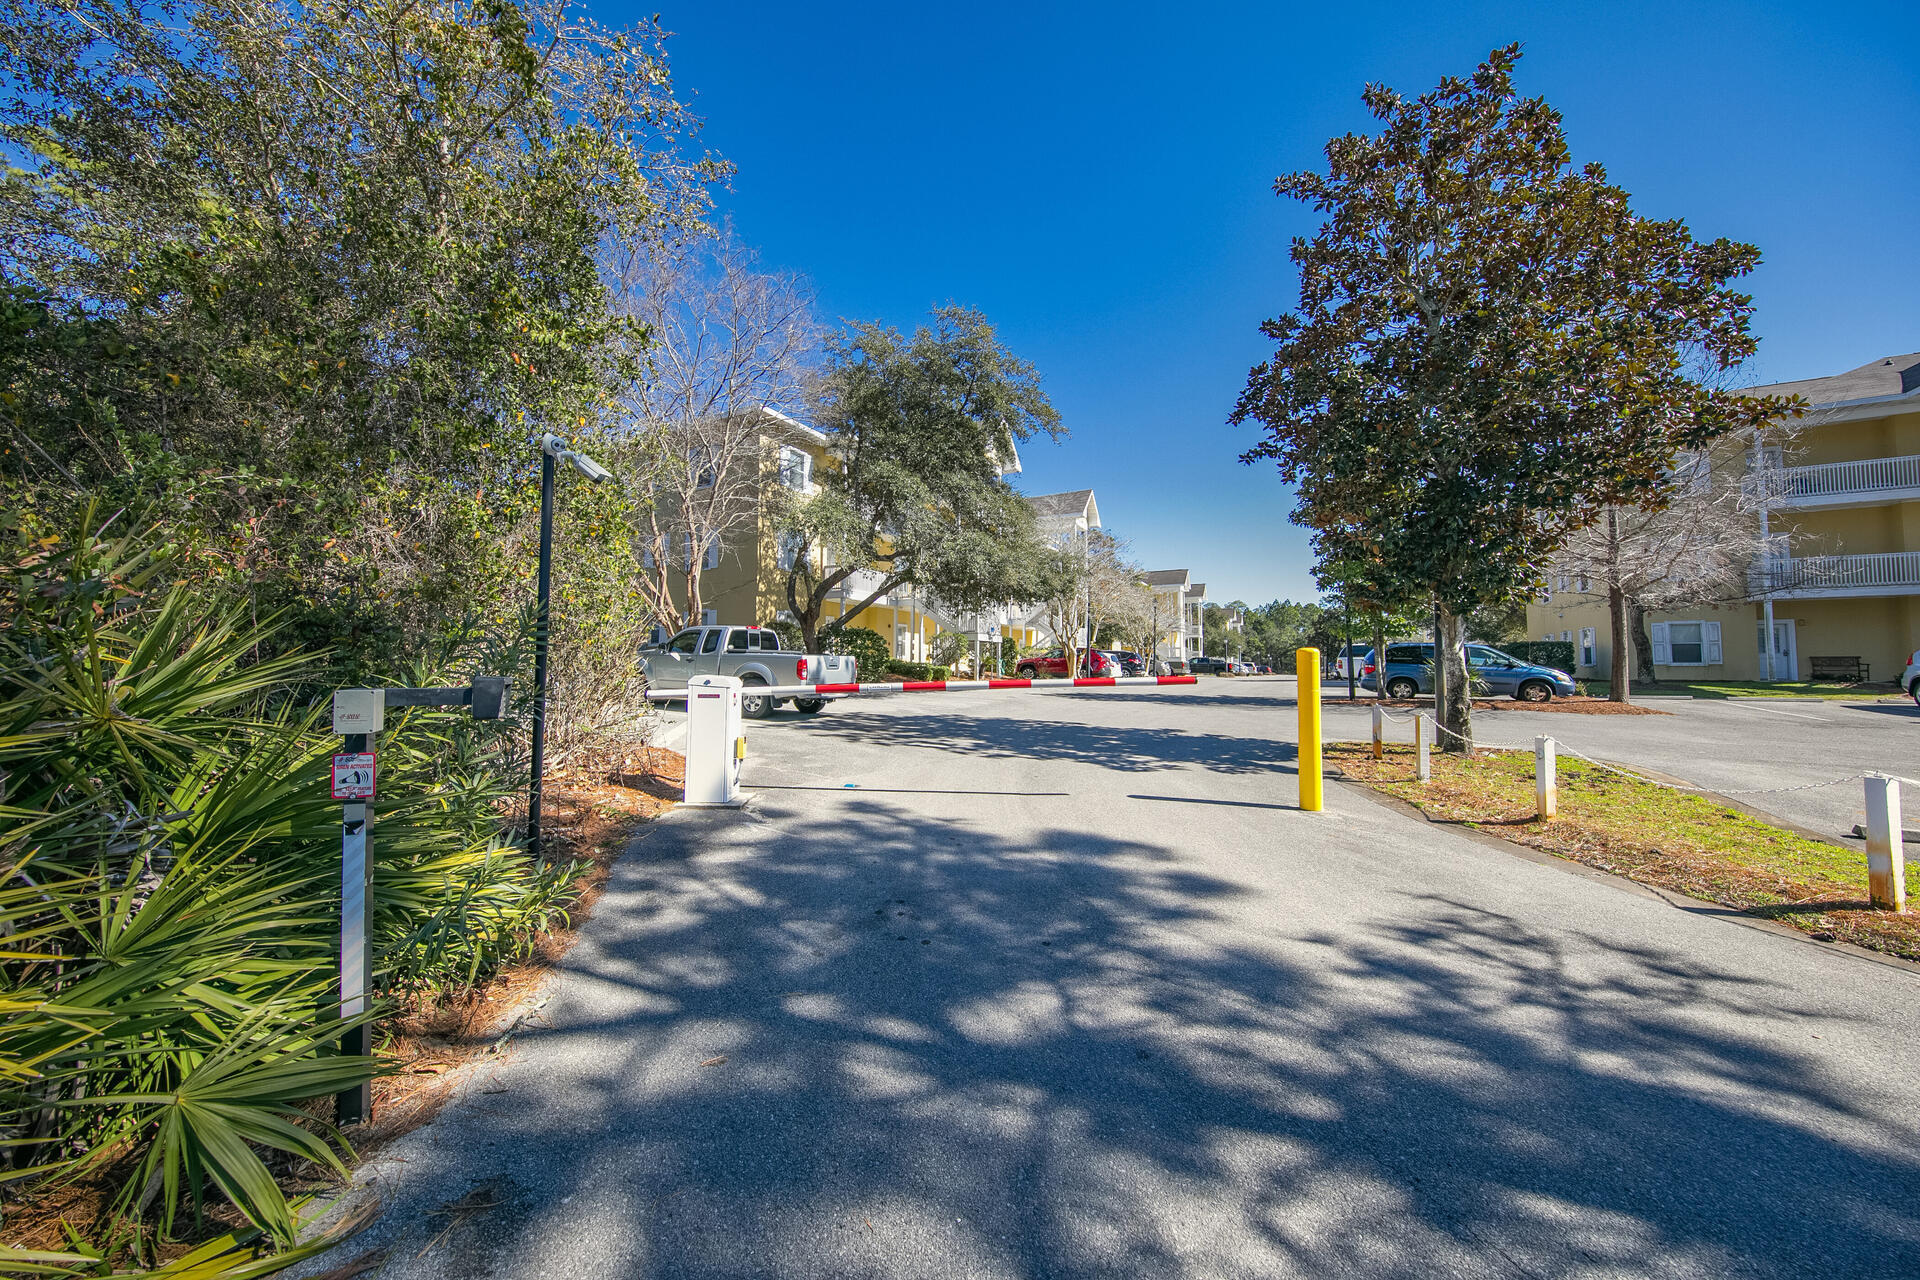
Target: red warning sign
(353,776)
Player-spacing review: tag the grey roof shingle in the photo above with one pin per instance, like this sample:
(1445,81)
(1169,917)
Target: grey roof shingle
(1167,578)
(1061,504)
(1887,376)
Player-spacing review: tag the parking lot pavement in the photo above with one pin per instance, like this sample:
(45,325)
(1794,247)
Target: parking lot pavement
(1061,985)
(1732,746)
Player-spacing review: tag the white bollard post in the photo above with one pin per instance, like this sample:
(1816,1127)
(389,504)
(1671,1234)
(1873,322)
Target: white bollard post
(1886,860)
(1422,745)
(714,742)
(1379,732)
(1545,784)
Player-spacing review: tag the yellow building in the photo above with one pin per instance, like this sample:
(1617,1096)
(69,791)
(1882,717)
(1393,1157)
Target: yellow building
(743,581)
(1843,572)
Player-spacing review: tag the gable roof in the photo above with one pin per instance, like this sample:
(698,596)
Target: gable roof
(793,426)
(1198,589)
(1062,504)
(1167,578)
(1888,378)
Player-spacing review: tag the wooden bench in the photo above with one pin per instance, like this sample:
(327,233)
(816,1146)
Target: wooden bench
(1851,670)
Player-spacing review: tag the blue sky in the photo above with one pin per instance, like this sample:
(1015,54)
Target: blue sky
(1098,180)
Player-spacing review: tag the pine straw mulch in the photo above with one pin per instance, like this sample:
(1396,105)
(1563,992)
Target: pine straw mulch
(1579,705)
(588,817)
(1674,840)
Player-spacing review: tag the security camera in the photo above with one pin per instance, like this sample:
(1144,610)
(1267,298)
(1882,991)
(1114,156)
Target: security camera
(587,466)
(553,445)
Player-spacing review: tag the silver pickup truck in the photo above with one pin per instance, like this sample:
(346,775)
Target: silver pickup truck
(752,654)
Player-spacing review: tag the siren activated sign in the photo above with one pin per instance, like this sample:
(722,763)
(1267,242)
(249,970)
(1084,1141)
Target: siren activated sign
(353,776)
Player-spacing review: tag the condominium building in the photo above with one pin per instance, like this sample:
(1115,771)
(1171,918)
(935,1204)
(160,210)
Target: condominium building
(1841,568)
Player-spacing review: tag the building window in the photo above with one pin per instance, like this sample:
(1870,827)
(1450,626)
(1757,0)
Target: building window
(709,617)
(646,556)
(796,468)
(700,461)
(1586,647)
(1566,637)
(712,559)
(1686,644)
(792,543)
(1582,583)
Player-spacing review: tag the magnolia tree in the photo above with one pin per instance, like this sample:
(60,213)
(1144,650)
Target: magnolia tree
(1490,348)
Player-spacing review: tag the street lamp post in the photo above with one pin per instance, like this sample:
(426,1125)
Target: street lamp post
(553,450)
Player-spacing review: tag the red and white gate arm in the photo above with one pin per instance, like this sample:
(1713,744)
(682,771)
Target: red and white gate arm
(934,686)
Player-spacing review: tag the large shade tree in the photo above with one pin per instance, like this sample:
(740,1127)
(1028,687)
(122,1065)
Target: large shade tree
(1490,347)
(922,430)
(309,277)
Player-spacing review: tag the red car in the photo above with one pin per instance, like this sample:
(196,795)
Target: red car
(1056,662)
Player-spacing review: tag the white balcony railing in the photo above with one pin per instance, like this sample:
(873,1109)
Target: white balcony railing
(1883,573)
(1827,483)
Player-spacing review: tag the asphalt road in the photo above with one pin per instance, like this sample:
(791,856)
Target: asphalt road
(1053,984)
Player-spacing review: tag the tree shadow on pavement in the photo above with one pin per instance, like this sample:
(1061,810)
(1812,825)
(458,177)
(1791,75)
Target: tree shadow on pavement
(873,1043)
(1123,748)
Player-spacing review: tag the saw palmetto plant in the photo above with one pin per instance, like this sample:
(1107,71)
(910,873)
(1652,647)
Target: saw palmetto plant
(171,861)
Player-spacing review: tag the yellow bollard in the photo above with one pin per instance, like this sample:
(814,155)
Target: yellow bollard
(1307,667)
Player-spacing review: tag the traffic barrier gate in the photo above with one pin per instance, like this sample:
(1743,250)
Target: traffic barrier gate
(714,744)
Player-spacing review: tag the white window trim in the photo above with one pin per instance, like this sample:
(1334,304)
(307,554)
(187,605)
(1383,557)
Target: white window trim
(712,559)
(1711,652)
(1589,651)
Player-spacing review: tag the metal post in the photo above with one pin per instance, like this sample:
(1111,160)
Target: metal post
(1347,609)
(356,915)
(1423,745)
(1307,669)
(1545,783)
(540,622)
(1886,860)
(1086,569)
(1766,562)
(1379,732)
(1439,667)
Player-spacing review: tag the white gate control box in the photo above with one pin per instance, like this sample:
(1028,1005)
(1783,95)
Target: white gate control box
(715,745)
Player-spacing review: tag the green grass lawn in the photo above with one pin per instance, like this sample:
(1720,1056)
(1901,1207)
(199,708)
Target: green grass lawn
(1676,839)
(1751,689)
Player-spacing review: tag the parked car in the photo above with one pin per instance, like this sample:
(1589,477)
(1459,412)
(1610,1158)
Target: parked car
(1241,667)
(1910,678)
(1409,670)
(754,654)
(1132,663)
(1208,666)
(1349,655)
(1057,662)
(1173,667)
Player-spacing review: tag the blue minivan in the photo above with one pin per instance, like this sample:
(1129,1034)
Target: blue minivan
(1410,671)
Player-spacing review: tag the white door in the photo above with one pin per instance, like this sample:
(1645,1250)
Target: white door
(1786,658)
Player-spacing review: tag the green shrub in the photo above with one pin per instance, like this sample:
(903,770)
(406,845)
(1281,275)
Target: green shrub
(919,670)
(171,880)
(864,645)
